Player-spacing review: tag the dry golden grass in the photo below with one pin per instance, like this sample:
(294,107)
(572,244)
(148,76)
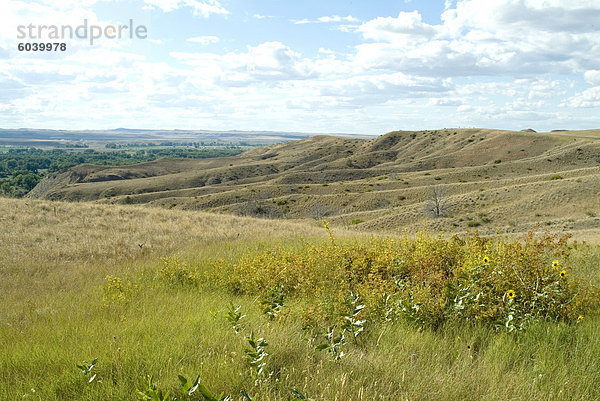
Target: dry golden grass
(496,180)
(51,245)
(84,231)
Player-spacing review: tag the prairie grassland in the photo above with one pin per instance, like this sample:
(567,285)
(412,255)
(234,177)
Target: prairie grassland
(165,317)
(489,179)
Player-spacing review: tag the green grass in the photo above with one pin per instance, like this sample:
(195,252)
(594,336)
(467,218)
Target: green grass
(53,315)
(166,332)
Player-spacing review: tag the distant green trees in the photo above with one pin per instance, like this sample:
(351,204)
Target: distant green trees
(22,168)
(20,183)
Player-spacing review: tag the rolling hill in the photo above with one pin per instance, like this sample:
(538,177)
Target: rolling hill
(490,180)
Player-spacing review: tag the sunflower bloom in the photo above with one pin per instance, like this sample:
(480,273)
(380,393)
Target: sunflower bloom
(563,274)
(580,318)
(486,260)
(510,294)
(555,264)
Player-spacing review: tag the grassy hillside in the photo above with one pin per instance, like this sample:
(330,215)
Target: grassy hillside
(490,180)
(146,290)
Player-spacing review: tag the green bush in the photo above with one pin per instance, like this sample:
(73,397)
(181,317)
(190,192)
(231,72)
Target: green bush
(429,280)
(178,273)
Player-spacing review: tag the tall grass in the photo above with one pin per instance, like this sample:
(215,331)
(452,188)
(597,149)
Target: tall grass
(57,311)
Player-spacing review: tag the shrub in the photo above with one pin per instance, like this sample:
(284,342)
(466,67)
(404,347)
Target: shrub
(176,272)
(117,291)
(428,280)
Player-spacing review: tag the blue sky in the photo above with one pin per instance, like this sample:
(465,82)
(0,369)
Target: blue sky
(365,67)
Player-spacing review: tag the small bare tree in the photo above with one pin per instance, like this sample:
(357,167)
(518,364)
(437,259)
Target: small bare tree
(437,205)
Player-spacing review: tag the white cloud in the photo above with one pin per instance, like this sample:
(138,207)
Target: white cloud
(588,98)
(337,18)
(203,40)
(479,37)
(592,77)
(391,29)
(327,20)
(204,8)
(445,102)
(267,62)
(67,4)
(15,13)
(260,16)
(382,87)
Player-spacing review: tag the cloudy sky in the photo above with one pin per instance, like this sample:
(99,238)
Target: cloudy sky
(363,67)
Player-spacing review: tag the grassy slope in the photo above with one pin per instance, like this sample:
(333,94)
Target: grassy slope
(54,257)
(497,179)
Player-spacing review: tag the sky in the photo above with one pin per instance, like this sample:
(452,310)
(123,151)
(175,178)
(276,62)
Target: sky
(328,66)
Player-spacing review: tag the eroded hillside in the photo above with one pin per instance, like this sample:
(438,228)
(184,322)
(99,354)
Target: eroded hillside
(490,179)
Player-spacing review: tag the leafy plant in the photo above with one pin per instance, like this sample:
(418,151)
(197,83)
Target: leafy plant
(86,369)
(256,355)
(273,303)
(334,343)
(351,309)
(188,388)
(150,392)
(235,316)
(298,396)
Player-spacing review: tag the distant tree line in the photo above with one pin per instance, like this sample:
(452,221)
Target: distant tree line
(22,168)
(115,145)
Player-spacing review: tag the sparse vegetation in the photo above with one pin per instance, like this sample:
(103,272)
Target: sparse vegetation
(217,185)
